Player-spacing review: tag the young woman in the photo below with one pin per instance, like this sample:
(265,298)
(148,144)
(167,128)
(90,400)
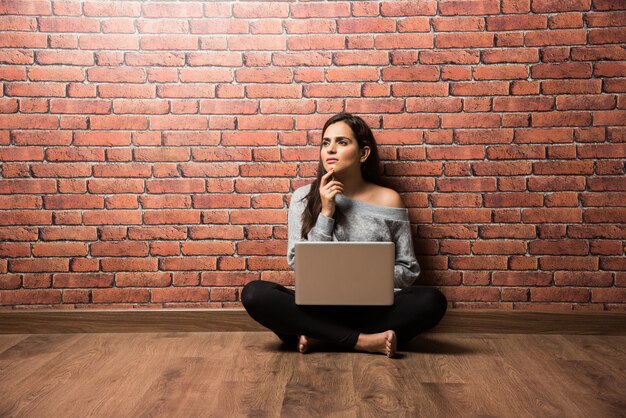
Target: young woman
(347,202)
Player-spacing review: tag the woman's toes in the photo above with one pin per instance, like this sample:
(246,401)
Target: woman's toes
(303,344)
(391,343)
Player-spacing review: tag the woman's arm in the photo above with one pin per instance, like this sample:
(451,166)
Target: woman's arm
(406,268)
(322,231)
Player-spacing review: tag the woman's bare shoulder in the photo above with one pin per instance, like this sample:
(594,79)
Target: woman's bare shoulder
(388,197)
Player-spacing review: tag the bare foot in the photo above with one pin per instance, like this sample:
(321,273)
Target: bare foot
(304,343)
(382,342)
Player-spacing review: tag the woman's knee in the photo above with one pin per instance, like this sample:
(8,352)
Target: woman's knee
(439,301)
(252,294)
(433,301)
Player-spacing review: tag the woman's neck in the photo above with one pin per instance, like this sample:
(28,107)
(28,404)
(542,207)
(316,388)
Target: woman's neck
(353,184)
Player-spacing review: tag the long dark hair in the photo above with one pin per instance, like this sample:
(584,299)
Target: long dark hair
(369,169)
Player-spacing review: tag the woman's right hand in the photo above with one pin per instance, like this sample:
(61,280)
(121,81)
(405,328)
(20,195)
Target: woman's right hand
(328,190)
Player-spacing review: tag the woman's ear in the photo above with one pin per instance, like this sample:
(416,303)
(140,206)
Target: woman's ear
(365,152)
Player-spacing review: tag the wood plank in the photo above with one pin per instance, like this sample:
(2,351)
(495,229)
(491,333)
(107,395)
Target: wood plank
(251,374)
(320,385)
(236,320)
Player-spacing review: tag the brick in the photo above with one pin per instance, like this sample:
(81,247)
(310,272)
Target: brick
(157,233)
(165,201)
(161,154)
(30,297)
(604,215)
(597,231)
(606,247)
(523,263)
(108,186)
(559,247)
(466,184)
(553,183)
(185,278)
(11,250)
(582,278)
(511,278)
(231,263)
(310,26)
(498,247)
(602,151)
(42,137)
(84,264)
(73,202)
(287,106)
(351,74)
(179,295)
(471,293)
(166,248)
(141,279)
(559,294)
(208,248)
(462,215)
(549,215)
(608,295)
(188,263)
(389,8)
(603,199)
(39,265)
(404,41)
(82,280)
(568,263)
(258,216)
(506,152)
(508,23)
(21,154)
(116,264)
(125,249)
(261,186)
(117,217)
(265,122)
(175,186)
(605,184)
(315,42)
(314,10)
(120,295)
(417,24)
(172,216)
(26,217)
(20,202)
(472,7)
(366,25)
(216,232)
(478,262)
(479,136)
(560,37)
(496,168)
(511,184)
(612,263)
(562,199)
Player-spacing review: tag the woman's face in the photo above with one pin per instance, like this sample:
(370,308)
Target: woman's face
(340,149)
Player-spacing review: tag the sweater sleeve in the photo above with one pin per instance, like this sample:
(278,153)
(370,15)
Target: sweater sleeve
(322,231)
(406,268)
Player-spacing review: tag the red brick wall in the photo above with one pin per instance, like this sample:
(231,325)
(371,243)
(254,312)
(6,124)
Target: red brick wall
(148,149)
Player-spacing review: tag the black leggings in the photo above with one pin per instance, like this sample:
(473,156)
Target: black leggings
(415,309)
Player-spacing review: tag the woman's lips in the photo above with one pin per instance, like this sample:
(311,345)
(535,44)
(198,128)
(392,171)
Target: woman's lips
(331,160)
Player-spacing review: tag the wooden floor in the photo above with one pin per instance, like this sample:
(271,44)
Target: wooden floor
(219,374)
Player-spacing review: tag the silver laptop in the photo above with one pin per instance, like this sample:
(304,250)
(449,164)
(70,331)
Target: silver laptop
(344,273)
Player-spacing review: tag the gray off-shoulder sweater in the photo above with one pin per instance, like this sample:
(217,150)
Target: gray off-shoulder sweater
(358,221)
